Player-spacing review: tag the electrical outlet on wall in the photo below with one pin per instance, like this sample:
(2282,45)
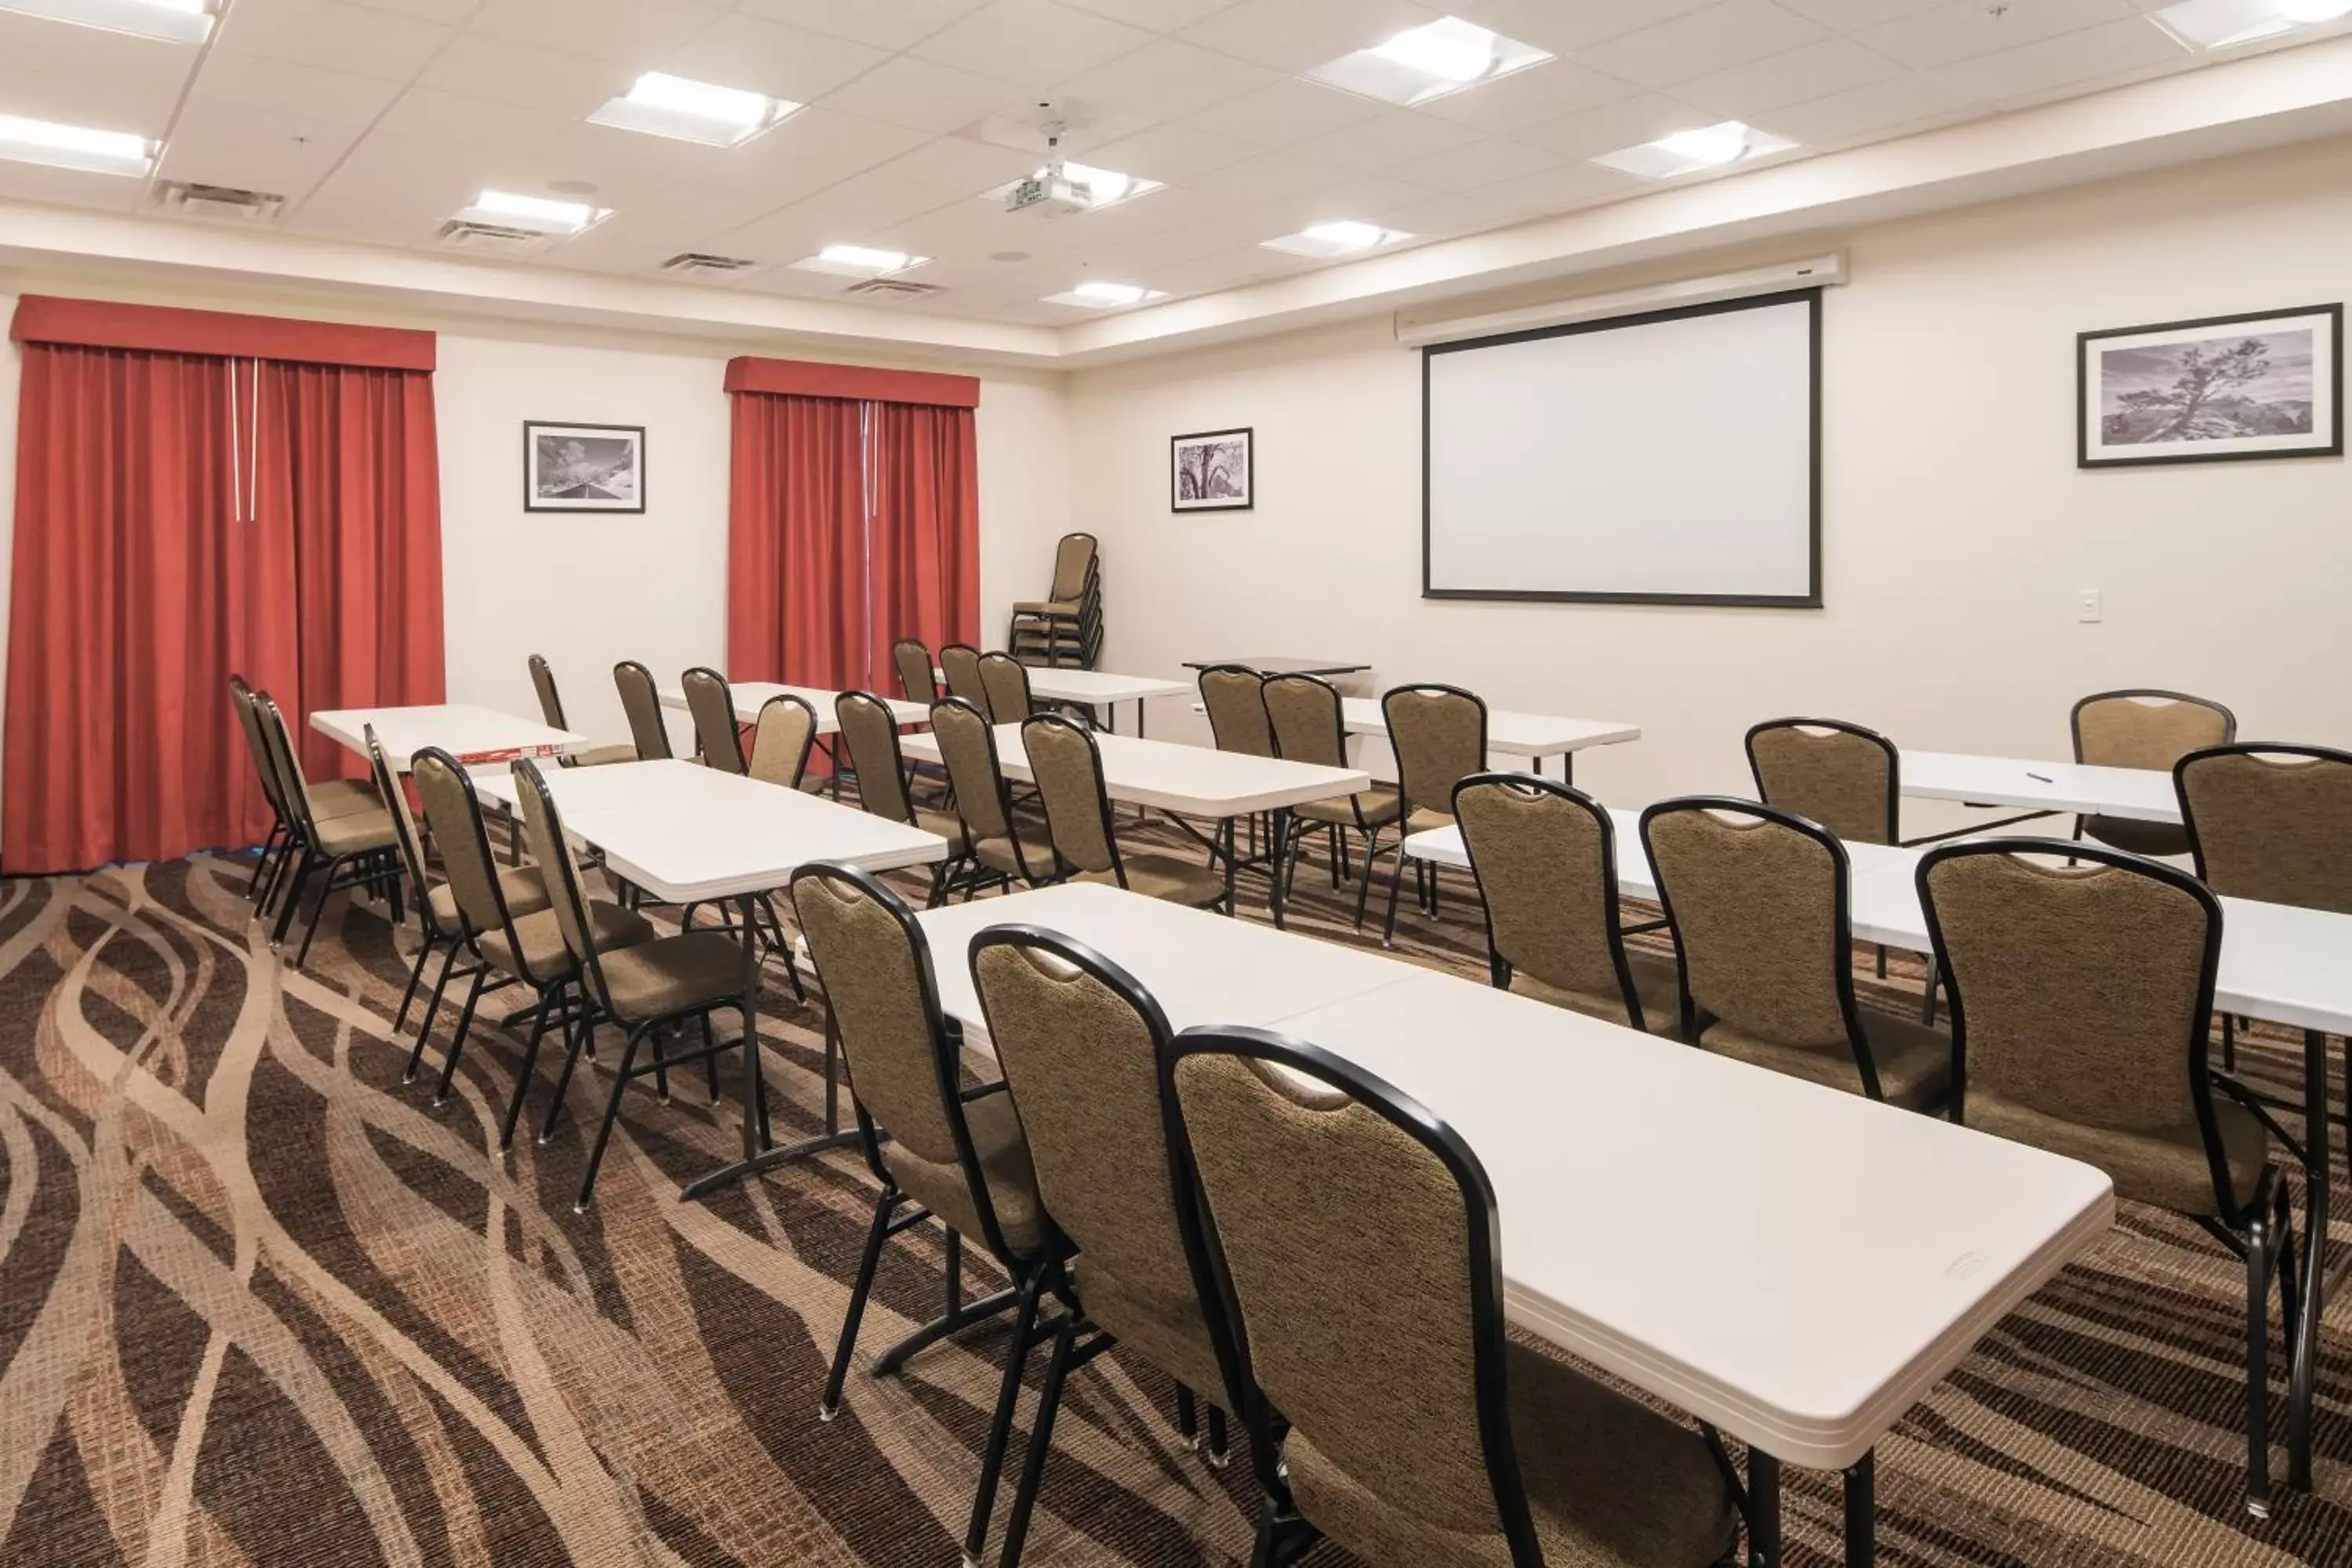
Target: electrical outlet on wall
(2088,609)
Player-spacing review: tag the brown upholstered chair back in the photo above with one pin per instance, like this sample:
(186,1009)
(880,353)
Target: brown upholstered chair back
(1381,1342)
(1824,770)
(550,703)
(542,827)
(915,681)
(1073,559)
(247,709)
(404,827)
(959,662)
(454,813)
(968,752)
(713,706)
(642,704)
(872,736)
(1304,714)
(1068,770)
(875,968)
(2271,822)
(1757,899)
(1234,696)
(1439,733)
(1007,680)
(2148,729)
(1545,858)
(780,741)
(2082,991)
(286,763)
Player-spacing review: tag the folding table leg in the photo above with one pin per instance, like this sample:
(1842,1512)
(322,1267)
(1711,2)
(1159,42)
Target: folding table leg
(1861,1511)
(1763,1510)
(2317,1140)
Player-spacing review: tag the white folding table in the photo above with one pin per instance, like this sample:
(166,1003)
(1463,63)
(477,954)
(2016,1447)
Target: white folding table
(1709,1277)
(751,695)
(2043,789)
(470,733)
(1534,736)
(1101,689)
(1189,781)
(691,835)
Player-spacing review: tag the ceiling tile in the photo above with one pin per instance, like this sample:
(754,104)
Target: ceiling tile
(1816,70)
(810,150)
(928,97)
(1615,125)
(2090,55)
(1700,43)
(449,11)
(1266,178)
(70,187)
(1391,136)
(1476,163)
(1443,216)
(1967,29)
(1529,97)
(891,26)
(766,56)
(1224,270)
(1285,114)
(955,166)
(1165,80)
(1171,154)
(1359,198)
(1563,189)
(326,33)
(1901,100)
(392,191)
(83,77)
(462,120)
(1854,16)
(1158,15)
(1293,34)
(871,202)
(286,88)
(1032,42)
(254,149)
(569,84)
(1565,29)
(623,32)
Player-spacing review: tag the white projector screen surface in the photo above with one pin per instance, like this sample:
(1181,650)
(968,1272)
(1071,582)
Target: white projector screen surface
(1668,459)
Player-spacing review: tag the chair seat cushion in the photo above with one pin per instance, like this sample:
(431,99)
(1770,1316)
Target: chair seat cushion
(1378,805)
(342,797)
(946,824)
(1046,607)
(602,757)
(1428,819)
(1168,877)
(1173,1337)
(2166,1167)
(996,854)
(1914,1061)
(671,975)
(520,886)
(544,959)
(354,832)
(1003,1155)
(2138,837)
(1655,985)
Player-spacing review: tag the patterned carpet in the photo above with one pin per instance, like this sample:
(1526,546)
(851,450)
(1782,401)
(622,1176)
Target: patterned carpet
(260,1304)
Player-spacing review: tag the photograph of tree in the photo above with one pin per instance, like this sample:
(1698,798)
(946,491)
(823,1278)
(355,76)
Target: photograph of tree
(2232,387)
(1209,472)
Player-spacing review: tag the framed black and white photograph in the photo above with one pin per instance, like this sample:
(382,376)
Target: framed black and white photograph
(1208,471)
(2224,389)
(583,467)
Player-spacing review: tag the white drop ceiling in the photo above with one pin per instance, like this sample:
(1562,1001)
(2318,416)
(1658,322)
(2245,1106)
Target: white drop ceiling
(377,119)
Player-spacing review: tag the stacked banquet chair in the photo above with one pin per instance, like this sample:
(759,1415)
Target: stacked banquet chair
(338,798)
(1065,627)
(339,832)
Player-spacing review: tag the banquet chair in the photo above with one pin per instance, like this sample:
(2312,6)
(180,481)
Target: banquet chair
(645,987)
(917,683)
(642,704)
(1078,1039)
(2082,984)
(1841,775)
(1439,735)
(960,664)
(1234,696)
(718,741)
(2143,728)
(550,708)
(1305,719)
(1067,764)
(1544,855)
(871,735)
(1005,679)
(352,849)
(337,797)
(781,742)
(984,802)
(1372,1358)
(1757,899)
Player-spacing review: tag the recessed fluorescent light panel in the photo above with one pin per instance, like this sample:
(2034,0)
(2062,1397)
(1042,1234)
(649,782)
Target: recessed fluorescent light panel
(1324,240)
(1429,61)
(688,111)
(859,261)
(1105,296)
(74,147)
(540,214)
(1104,187)
(2225,24)
(174,21)
(1688,152)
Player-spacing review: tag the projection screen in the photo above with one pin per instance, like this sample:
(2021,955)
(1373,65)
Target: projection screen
(1670,458)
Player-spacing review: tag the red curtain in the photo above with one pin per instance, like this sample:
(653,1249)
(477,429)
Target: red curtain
(796,541)
(924,578)
(349,459)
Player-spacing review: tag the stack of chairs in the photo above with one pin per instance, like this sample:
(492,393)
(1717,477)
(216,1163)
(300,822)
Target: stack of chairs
(1065,628)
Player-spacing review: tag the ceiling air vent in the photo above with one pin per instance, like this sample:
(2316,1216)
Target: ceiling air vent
(893,288)
(489,238)
(225,203)
(698,264)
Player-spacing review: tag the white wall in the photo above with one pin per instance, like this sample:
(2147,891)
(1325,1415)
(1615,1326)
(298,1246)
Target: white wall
(1957,528)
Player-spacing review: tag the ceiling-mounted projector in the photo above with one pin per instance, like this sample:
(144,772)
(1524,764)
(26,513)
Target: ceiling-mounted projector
(1052,194)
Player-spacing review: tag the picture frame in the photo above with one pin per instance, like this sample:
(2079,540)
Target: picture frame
(578,467)
(2218,389)
(1213,470)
